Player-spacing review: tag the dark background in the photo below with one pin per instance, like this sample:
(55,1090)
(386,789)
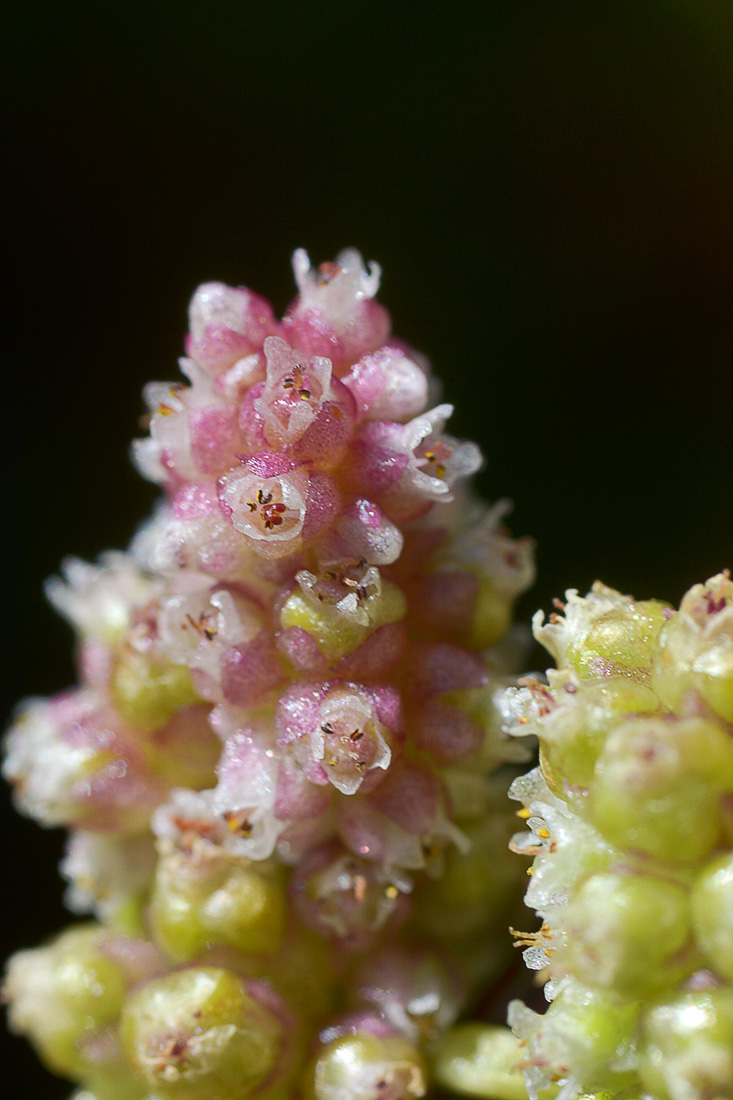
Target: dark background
(548,187)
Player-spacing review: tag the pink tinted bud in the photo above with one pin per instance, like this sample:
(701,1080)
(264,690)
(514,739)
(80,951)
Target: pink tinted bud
(362,531)
(409,796)
(418,991)
(193,502)
(297,798)
(73,761)
(250,671)
(445,731)
(381,653)
(323,503)
(362,829)
(215,438)
(443,603)
(387,386)
(226,324)
(301,650)
(346,898)
(435,668)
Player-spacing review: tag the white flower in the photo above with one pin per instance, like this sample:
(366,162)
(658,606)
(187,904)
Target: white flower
(268,510)
(335,287)
(98,600)
(238,814)
(350,740)
(197,627)
(44,765)
(105,870)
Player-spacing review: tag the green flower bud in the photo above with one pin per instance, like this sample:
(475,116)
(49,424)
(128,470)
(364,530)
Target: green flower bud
(185,751)
(492,615)
(573,732)
(604,634)
(658,786)
(147,690)
(303,970)
(364,1067)
(478,886)
(585,1037)
(712,913)
(339,628)
(623,931)
(479,1060)
(199,900)
(246,911)
(62,995)
(195,1034)
(687,1046)
(695,649)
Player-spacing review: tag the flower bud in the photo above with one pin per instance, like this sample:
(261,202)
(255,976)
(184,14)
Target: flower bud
(687,1046)
(623,932)
(712,913)
(147,690)
(62,995)
(199,899)
(605,633)
(197,1033)
(583,1040)
(479,1060)
(658,786)
(364,1067)
(695,649)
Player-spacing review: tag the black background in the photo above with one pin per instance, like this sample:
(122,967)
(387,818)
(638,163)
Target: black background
(548,187)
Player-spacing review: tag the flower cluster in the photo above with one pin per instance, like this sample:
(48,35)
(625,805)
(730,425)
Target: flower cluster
(277,772)
(630,826)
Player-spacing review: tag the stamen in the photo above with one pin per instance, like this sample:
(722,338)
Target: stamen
(270,510)
(327,272)
(238,822)
(540,938)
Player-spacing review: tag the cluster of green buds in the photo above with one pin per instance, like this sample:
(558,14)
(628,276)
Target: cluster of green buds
(283,772)
(630,826)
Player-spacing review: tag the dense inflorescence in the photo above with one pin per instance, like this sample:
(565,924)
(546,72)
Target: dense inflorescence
(278,771)
(630,825)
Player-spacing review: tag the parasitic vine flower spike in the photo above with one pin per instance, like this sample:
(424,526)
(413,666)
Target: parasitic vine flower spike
(279,771)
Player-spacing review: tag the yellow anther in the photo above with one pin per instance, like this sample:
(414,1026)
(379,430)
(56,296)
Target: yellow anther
(524,814)
(544,833)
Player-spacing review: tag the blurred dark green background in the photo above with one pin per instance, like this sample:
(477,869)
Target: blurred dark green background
(548,187)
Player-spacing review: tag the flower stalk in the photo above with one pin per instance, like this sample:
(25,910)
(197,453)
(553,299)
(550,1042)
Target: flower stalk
(630,830)
(278,768)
